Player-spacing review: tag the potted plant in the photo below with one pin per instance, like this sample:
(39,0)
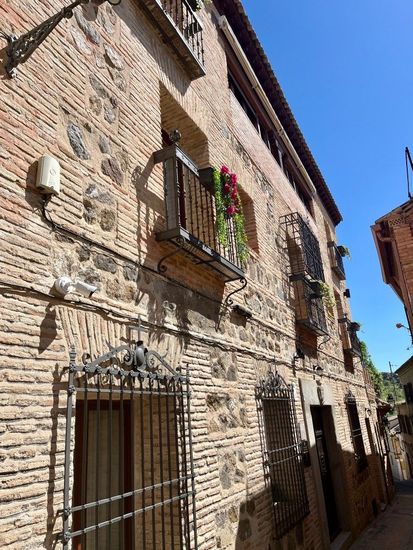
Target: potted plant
(322,290)
(354,326)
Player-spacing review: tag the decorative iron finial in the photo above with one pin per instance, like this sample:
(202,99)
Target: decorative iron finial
(175,136)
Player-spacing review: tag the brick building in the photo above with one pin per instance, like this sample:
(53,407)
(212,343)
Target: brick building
(199,398)
(405,416)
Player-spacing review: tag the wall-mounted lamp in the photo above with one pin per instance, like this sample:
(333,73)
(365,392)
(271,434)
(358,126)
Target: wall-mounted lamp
(20,48)
(400,325)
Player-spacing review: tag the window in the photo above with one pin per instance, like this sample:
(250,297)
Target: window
(133,479)
(306,273)
(240,87)
(283,463)
(356,433)
(408,392)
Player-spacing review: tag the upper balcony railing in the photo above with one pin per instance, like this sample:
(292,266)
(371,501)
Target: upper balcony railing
(337,263)
(182,31)
(303,248)
(191,217)
(309,307)
(349,336)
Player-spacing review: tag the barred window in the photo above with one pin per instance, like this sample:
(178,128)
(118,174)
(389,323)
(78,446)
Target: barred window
(408,392)
(356,433)
(283,463)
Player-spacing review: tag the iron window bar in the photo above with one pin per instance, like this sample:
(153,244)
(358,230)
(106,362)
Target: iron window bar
(191,218)
(282,452)
(356,433)
(309,306)
(182,30)
(303,247)
(349,337)
(337,263)
(117,491)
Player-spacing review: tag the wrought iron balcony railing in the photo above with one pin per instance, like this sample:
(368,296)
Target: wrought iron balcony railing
(337,264)
(349,337)
(303,248)
(190,214)
(309,307)
(182,30)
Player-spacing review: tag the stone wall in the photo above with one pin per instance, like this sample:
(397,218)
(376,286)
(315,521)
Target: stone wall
(95,96)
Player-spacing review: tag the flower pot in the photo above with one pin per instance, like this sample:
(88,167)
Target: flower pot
(355,327)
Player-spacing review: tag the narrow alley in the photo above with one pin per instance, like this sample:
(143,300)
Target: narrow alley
(392,530)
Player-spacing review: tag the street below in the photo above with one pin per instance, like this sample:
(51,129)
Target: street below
(393,529)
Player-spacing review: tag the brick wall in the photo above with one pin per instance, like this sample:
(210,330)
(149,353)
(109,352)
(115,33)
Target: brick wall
(95,96)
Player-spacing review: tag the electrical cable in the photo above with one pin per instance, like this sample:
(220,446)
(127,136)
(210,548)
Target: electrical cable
(91,242)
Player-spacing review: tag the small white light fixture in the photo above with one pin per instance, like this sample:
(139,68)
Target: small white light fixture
(65,285)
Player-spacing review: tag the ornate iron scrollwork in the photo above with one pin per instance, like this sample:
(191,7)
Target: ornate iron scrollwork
(228,300)
(21,48)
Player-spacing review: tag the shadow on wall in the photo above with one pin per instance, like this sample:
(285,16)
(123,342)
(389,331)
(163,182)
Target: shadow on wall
(54,510)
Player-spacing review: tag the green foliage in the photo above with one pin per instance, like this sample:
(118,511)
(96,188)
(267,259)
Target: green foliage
(326,294)
(221,226)
(375,374)
(222,202)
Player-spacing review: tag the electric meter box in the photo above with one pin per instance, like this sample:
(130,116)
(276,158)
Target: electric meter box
(48,175)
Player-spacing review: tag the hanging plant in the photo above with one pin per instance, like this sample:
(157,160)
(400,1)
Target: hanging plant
(228,207)
(323,291)
(344,251)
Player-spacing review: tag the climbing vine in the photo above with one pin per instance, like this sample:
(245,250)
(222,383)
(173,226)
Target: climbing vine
(228,206)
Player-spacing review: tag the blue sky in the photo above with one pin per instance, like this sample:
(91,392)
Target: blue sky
(346,69)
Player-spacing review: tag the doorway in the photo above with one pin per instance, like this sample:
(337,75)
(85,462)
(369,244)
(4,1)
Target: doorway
(321,417)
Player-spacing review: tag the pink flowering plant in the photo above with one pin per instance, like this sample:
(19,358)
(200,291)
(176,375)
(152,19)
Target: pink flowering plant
(228,207)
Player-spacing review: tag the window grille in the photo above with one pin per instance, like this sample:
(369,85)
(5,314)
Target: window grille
(129,479)
(303,248)
(282,455)
(356,433)
(337,263)
(408,392)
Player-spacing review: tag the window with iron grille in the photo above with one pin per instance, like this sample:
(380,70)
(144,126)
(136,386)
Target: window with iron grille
(129,479)
(282,454)
(303,247)
(306,270)
(356,433)
(408,392)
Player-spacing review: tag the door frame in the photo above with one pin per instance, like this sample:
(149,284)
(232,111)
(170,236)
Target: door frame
(317,393)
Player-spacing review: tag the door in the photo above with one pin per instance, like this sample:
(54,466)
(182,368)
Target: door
(317,414)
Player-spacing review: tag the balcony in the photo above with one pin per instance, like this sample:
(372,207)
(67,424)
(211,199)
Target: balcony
(303,248)
(337,264)
(349,337)
(182,31)
(309,307)
(190,215)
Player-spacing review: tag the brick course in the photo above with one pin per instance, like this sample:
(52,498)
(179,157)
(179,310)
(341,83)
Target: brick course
(95,95)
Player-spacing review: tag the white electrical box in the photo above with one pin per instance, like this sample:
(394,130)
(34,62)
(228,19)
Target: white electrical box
(48,175)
